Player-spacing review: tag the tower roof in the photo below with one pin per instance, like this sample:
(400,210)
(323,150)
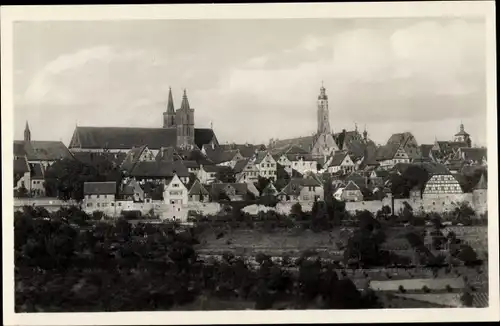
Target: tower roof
(322,93)
(170,103)
(462,131)
(482,184)
(185,102)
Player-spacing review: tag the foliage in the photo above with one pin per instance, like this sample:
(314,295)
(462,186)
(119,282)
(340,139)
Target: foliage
(145,267)
(262,184)
(65,178)
(225,175)
(21,192)
(413,176)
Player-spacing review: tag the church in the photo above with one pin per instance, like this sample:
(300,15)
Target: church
(178,131)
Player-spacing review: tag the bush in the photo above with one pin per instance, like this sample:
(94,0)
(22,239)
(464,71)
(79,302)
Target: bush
(401,289)
(448,288)
(426,289)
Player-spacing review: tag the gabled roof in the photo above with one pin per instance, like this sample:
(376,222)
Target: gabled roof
(198,189)
(305,143)
(191,164)
(482,184)
(246,150)
(260,156)
(159,169)
(132,157)
(240,188)
(351,186)
(338,158)
(166,154)
(36,171)
(99,188)
(36,150)
(127,138)
(296,184)
(400,138)
(293,149)
(240,165)
(211,168)
(21,165)
(387,152)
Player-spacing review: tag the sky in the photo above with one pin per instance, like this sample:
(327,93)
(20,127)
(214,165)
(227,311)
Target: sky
(254,79)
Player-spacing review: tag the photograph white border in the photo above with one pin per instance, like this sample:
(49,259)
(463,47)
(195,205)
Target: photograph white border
(11,14)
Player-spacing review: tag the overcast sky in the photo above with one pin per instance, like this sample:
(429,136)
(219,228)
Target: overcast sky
(254,79)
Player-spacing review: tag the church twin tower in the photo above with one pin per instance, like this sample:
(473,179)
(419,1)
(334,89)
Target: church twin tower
(182,120)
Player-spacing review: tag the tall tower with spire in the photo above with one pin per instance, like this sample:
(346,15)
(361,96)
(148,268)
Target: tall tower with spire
(169,115)
(27,133)
(323,113)
(185,124)
(462,136)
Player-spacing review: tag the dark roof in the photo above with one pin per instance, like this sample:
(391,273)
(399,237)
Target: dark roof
(159,169)
(425,150)
(296,184)
(191,164)
(211,168)
(36,171)
(351,186)
(198,189)
(21,165)
(407,140)
(305,143)
(400,138)
(99,188)
(127,138)
(166,154)
(41,150)
(301,156)
(338,158)
(132,158)
(473,154)
(482,184)
(95,158)
(240,188)
(240,165)
(387,151)
(246,150)
(381,173)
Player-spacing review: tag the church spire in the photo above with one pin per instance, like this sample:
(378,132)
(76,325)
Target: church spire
(169,115)
(170,103)
(185,102)
(462,129)
(27,132)
(365,134)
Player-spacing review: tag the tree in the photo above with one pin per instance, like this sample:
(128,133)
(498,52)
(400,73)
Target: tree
(413,176)
(296,211)
(65,178)
(262,184)
(467,255)
(467,299)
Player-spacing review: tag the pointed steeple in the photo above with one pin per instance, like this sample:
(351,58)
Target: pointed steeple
(462,129)
(185,102)
(482,184)
(27,132)
(365,134)
(170,103)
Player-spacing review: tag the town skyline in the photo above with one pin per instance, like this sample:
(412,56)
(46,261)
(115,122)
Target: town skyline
(433,81)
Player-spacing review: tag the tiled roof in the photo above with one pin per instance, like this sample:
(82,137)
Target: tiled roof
(260,156)
(301,156)
(21,165)
(240,188)
(338,158)
(211,168)
(305,143)
(473,154)
(166,154)
(400,138)
(381,173)
(296,184)
(405,139)
(132,158)
(198,189)
(41,150)
(99,188)
(246,150)
(240,165)
(418,284)
(127,138)
(351,186)
(36,171)
(159,169)
(96,158)
(191,164)
(387,152)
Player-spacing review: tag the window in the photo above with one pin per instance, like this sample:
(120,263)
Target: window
(98,205)
(175,185)
(104,204)
(89,204)
(97,196)
(119,204)
(105,196)
(112,204)
(178,209)
(172,202)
